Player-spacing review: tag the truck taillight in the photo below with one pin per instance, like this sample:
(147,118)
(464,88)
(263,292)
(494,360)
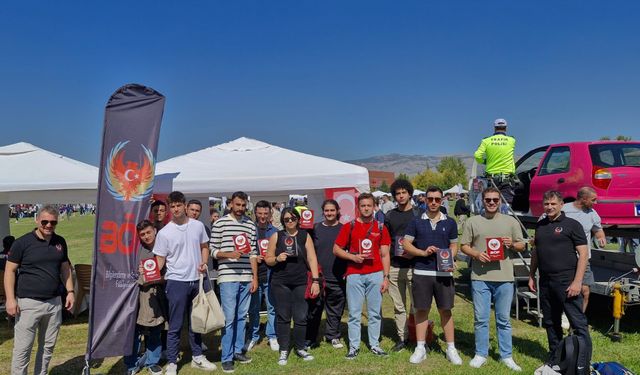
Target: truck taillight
(601,177)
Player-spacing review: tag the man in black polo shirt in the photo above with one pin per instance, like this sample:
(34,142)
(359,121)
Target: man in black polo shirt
(557,241)
(41,257)
(424,237)
(400,274)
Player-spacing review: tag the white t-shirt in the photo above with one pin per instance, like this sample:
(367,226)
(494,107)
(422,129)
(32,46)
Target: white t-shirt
(180,245)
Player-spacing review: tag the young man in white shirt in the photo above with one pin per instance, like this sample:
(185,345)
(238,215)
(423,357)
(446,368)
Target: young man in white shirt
(182,246)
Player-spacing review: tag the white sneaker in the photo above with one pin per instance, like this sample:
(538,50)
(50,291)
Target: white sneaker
(565,322)
(337,344)
(511,364)
(171,369)
(419,355)
(201,362)
(273,343)
(251,344)
(477,361)
(282,360)
(453,356)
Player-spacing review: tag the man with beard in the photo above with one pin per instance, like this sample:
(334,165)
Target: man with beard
(237,276)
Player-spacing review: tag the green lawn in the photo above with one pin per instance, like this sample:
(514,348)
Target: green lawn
(529,341)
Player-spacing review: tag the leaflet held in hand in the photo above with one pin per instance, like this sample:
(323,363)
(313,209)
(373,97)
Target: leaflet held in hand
(366,248)
(263,244)
(399,249)
(242,244)
(306,219)
(291,246)
(150,270)
(445,260)
(495,248)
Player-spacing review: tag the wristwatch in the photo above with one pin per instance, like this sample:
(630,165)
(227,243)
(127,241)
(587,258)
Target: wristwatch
(386,276)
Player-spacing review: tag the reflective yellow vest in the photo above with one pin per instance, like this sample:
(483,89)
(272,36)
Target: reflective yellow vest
(497,152)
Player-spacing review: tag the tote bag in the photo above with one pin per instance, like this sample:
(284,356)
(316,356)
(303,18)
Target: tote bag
(206,313)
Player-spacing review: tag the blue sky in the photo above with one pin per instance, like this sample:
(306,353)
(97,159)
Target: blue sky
(342,79)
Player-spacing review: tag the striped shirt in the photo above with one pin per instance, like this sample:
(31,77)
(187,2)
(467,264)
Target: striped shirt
(222,233)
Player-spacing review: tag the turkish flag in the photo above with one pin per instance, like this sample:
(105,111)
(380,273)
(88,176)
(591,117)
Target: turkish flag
(346,198)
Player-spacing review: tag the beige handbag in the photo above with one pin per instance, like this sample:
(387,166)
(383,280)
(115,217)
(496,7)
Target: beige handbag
(206,313)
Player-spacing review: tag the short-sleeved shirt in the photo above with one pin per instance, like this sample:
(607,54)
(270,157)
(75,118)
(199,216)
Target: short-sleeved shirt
(423,233)
(475,232)
(396,222)
(324,237)
(588,218)
(556,243)
(379,236)
(39,265)
(181,246)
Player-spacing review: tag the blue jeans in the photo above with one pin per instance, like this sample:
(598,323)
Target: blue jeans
(153,346)
(180,295)
(360,287)
(235,299)
(502,295)
(254,313)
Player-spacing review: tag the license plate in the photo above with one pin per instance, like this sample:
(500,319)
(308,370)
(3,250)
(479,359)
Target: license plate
(637,209)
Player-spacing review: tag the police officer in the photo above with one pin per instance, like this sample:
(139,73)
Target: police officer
(497,152)
(558,240)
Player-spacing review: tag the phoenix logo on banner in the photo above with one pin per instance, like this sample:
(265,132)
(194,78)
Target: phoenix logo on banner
(129,180)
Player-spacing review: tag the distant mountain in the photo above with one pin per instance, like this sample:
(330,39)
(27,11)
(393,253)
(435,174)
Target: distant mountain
(409,164)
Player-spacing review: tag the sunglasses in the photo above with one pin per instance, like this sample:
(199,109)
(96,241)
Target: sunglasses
(291,219)
(434,199)
(492,200)
(44,223)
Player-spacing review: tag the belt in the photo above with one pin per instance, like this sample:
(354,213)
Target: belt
(500,175)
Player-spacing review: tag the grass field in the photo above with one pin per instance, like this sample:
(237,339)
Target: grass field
(529,341)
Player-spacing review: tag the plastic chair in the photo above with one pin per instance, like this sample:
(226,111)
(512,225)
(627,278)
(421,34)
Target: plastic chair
(83,277)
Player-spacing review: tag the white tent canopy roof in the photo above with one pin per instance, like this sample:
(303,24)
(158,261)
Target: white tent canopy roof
(456,190)
(33,175)
(259,169)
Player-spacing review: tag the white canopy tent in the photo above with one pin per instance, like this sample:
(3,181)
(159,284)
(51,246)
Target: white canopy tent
(261,170)
(418,192)
(33,175)
(379,194)
(456,190)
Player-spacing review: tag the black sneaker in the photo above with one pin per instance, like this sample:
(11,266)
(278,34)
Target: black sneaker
(353,353)
(228,366)
(378,351)
(399,346)
(242,358)
(154,370)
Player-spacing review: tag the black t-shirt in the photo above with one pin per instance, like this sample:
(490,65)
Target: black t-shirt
(293,271)
(324,237)
(556,243)
(396,222)
(39,265)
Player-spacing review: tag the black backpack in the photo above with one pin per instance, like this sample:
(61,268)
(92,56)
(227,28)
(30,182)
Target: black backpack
(570,357)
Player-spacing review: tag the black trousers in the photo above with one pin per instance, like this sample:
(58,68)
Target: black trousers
(333,304)
(554,301)
(290,303)
(506,185)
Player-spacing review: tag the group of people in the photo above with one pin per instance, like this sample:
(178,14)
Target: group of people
(302,273)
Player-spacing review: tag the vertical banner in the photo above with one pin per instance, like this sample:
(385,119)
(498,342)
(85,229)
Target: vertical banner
(130,140)
(346,198)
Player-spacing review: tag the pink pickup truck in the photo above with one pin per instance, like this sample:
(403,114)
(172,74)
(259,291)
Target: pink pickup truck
(612,168)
